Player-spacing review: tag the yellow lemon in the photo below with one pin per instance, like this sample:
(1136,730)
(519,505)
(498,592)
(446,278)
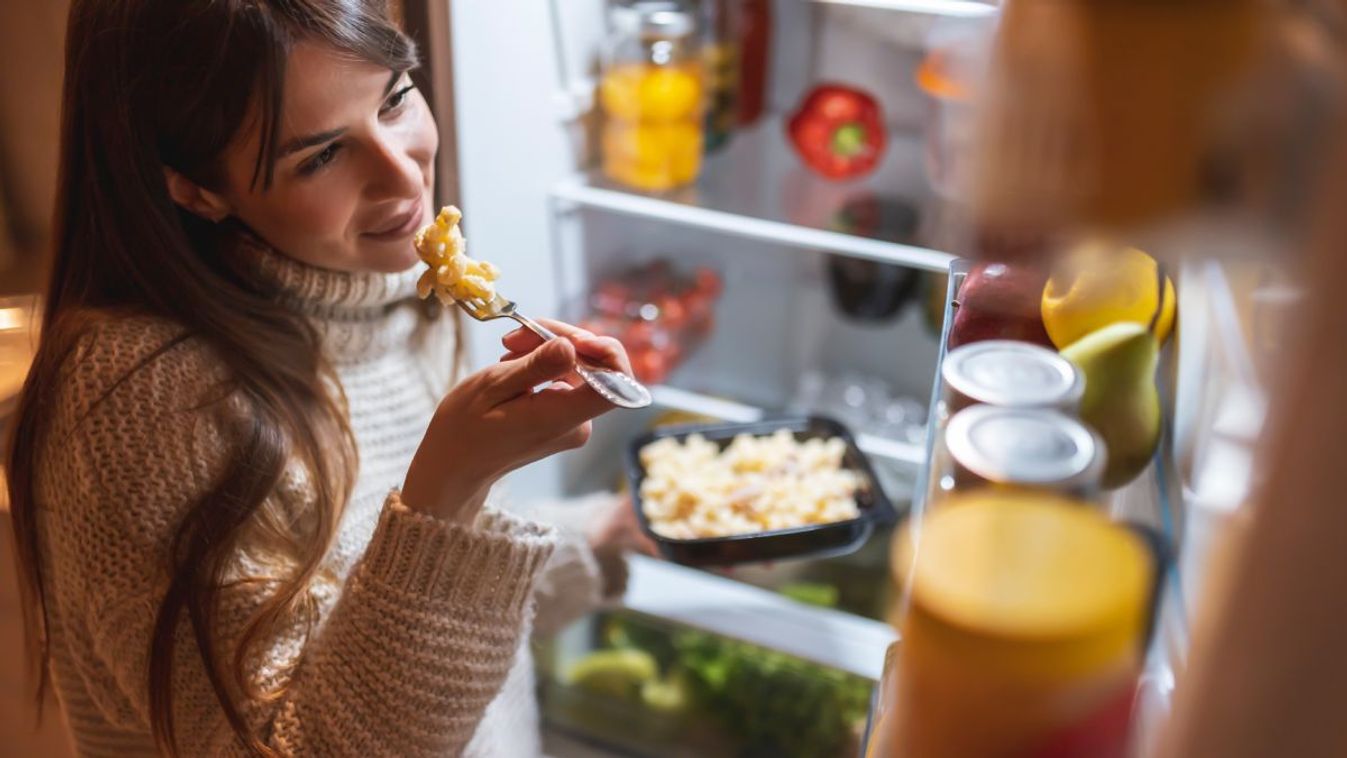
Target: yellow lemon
(1099,284)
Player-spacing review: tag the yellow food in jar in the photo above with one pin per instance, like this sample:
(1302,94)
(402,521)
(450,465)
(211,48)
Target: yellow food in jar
(641,92)
(652,136)
(657,156)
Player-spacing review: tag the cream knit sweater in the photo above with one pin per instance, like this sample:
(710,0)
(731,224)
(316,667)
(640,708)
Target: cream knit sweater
(421,642)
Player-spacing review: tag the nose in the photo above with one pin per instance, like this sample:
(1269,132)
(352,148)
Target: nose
(395,172)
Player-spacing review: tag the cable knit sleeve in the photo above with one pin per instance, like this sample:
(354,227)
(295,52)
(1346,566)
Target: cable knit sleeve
(578,579)
(404,656)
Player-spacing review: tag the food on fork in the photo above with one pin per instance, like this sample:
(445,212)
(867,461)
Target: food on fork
(452,275)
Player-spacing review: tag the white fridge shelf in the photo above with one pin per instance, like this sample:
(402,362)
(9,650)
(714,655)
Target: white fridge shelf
(728,410)
(711,603)
(756,188)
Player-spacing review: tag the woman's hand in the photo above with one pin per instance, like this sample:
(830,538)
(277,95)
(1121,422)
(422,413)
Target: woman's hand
(601,351)
(617,530)
(493,422)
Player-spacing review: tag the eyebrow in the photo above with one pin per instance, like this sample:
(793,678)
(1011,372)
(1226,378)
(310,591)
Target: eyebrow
(304,142)
(309,140)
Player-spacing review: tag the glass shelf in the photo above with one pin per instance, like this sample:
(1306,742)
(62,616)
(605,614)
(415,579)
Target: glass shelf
(757,188)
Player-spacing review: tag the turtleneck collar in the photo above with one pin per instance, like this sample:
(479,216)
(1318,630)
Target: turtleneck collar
(360,314)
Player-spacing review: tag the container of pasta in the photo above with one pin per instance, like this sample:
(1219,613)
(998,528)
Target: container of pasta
(722,494)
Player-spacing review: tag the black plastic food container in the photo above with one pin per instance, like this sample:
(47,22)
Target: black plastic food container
(814,540)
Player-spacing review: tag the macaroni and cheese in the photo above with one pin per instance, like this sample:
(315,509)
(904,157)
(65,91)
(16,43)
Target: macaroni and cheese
(692,489)
(452,275)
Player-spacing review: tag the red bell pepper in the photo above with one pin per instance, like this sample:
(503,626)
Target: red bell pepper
(838,131)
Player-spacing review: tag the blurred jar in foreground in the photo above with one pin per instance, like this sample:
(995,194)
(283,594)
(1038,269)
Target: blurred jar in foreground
(1024,631)
(652,93)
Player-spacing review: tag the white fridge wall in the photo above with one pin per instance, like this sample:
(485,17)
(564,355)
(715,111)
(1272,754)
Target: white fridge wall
(513,89)
(512,148)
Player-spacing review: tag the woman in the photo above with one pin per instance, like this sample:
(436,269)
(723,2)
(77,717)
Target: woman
(234,375)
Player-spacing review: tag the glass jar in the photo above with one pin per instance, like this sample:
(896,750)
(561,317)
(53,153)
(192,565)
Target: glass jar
(949,122)
(721,57)
(652,94)
(1023,634)
(1023,448)
(1009,374)
(658,313)
(755,42)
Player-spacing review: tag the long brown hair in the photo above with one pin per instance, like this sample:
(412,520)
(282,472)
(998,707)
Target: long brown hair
(151,84)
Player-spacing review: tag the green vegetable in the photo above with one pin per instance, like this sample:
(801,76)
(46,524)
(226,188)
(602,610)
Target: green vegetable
(628,631)
(617,673)
(777,704)
(812,593)
(670,695)
(768,703)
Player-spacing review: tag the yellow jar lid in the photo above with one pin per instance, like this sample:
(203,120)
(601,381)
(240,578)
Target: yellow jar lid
(1028,566)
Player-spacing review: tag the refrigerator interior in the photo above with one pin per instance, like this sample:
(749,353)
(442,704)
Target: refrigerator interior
(523,98)
(523,102)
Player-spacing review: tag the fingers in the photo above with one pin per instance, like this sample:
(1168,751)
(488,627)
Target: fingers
(561,407)
(602,351)
(521,340)
(513,378)
(572,379)
(571,439)
(641,543)
(635,538)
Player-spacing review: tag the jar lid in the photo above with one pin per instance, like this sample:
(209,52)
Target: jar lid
(1025,446)
(1013,374)
(1023,566)
(665,18)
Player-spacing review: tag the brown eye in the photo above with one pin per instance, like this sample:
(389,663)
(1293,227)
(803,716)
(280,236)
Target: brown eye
(321,159)
(396,100)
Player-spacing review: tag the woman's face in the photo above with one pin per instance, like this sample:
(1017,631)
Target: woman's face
(354,170)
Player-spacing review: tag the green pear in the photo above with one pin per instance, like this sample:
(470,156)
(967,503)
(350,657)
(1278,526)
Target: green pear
(1121,400)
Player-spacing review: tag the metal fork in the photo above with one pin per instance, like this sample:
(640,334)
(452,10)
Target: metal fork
(614,386)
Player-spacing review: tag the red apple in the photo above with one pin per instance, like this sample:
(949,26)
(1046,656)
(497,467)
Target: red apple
(1000,301)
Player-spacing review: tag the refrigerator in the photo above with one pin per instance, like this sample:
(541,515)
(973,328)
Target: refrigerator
(513,86)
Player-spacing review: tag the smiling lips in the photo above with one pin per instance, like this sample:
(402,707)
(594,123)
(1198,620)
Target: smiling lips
(400,226)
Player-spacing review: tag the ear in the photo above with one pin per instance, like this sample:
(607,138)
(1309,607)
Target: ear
(194,198)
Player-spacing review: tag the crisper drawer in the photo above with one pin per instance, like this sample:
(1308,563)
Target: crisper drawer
(625,683)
